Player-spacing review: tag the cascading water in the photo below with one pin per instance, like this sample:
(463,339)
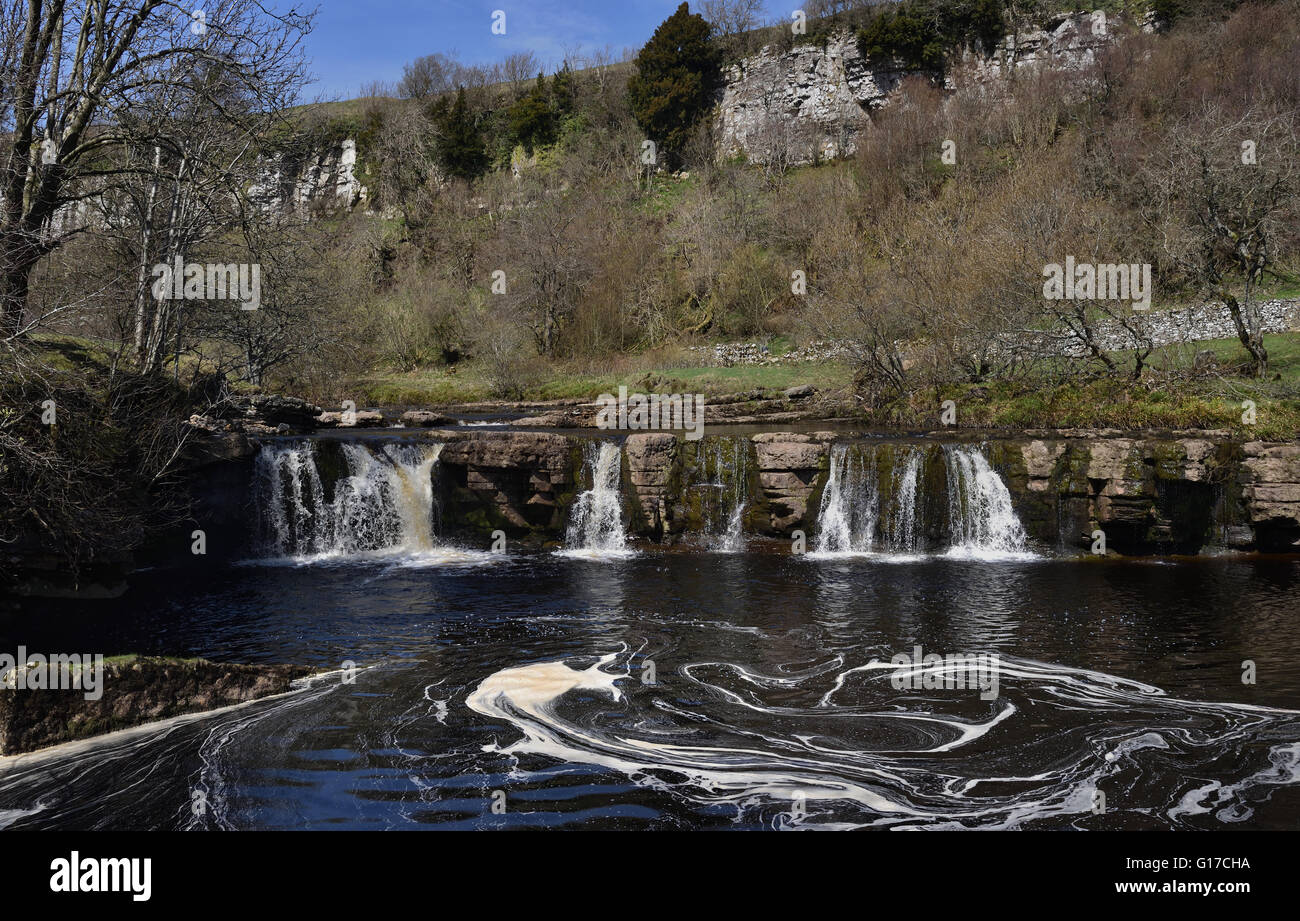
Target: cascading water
(874,502)
(850,504)
(383,503)
(982,520)
(596,522)
(721,483)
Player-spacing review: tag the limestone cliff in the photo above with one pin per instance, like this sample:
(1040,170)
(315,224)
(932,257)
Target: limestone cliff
(324,180)
(814,100)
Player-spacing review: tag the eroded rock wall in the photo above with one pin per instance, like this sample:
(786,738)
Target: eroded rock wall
(1171,494)
(814,100)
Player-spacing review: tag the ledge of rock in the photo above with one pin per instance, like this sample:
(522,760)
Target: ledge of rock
(512,480)
(788,468)
(135,690)
(1272,493)
(422,418)
(650,459)
(270,411)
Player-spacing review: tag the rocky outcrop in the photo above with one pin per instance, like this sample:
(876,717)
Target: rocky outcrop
(263,414)
(357,419)
(1271,493)
(518,482)
(1145,494)
(1177,493)
(422,418)
(134,690)
(789,468)
(323,181)
(813,101)
(651,458)
(807,103)
(213,441)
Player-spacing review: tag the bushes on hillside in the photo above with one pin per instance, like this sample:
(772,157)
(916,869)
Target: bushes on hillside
(919,33)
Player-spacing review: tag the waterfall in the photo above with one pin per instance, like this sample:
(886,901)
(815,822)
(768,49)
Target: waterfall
(596,521)
(982,520)
(847,518)
(383,503)
(874,503)
(719,479)
(902,532)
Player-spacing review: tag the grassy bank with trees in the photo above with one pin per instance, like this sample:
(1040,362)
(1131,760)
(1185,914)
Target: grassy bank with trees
(516,243)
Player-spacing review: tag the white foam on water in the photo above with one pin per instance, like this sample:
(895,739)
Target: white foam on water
(933,772)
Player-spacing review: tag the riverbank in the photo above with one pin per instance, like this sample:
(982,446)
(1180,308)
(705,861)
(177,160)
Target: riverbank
(42,705)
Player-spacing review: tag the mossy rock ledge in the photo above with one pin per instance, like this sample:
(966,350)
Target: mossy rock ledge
(135,690)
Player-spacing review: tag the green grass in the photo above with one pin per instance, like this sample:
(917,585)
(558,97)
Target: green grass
(1283,356)
(471,384)
(665,194)
(824,376)
(434,388)
(72,353)
(1112,403)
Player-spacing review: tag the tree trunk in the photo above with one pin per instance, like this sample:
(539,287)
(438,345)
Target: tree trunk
(1249,333)
(143,288)
(14,278)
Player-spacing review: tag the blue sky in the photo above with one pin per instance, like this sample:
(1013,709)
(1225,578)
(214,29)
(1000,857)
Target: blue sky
(356,41)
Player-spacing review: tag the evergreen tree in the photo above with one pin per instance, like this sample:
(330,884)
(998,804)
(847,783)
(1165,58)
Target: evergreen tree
(676,72)
(563,91)
(461,152)
(532,118)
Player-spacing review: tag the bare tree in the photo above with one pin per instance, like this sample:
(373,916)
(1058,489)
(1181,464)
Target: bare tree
(1223,197)
(519,68)
(431,76)
(70,84)
(545,268)
(732,17)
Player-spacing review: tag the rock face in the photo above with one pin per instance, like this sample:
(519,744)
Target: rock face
(322,182)
(1147,495)
(650,463)
(813,101)
(518,482)
(1272,493)
(807,103)
(789,467)
(135,690)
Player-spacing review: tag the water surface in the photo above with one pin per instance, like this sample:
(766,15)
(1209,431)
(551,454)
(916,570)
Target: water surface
(524,679)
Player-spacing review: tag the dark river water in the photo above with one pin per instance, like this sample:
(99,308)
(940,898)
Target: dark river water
(686,689)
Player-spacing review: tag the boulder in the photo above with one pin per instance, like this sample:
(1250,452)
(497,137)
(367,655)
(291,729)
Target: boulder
(650,459)
(271,411)
(361,419)
(425,419)
(788,467)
